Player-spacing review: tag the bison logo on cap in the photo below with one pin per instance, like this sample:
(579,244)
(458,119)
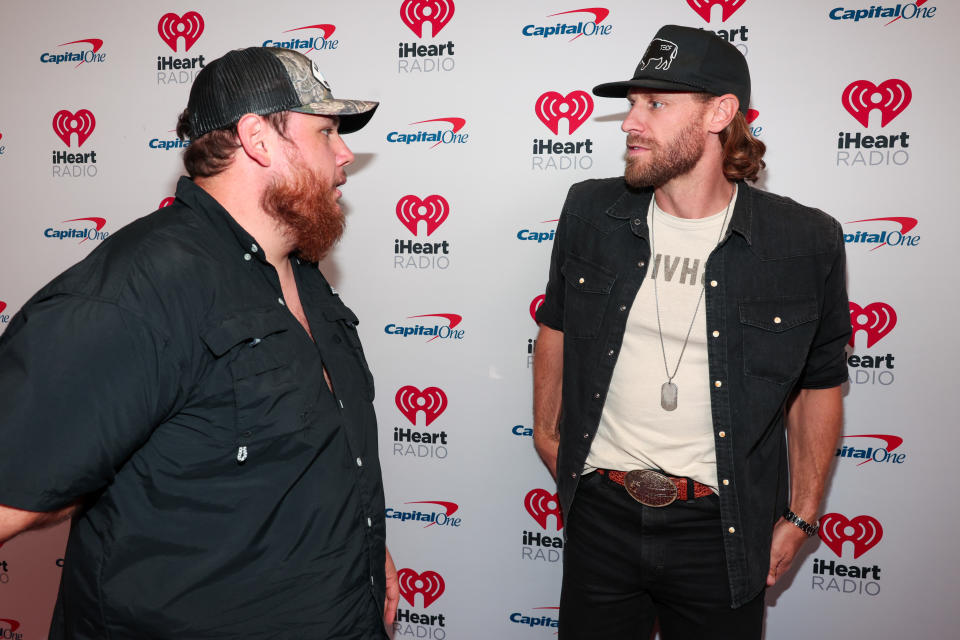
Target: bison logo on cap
(663,51)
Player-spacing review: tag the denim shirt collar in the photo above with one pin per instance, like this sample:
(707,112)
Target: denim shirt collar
(635,202)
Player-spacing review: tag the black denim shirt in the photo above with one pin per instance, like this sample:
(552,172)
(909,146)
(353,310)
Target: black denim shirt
(229,493)
(777,319)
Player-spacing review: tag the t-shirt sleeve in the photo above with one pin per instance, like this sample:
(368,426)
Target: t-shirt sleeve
(550,312)
(826,363)
(82,385)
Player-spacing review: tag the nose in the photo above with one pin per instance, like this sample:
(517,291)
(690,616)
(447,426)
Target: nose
(633,123)
(344,155)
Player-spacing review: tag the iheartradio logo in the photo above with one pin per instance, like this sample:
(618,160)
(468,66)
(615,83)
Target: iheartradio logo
(433,209)
(552,107)
(415,13)
(172,27)
(891,97)
(704,7)
(81,123)
(429,585)
(541,504)
(863,531)
(535,304)
(877,319)
(432,401)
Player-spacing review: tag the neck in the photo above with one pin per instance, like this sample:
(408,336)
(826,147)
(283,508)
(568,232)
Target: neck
(701,192)
(241,199)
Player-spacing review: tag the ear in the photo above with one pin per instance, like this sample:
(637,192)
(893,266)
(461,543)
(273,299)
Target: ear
(722,111)
(254,134)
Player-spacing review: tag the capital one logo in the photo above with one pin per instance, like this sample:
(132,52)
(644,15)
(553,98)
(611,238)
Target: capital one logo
(863,531)
(703,7)
(432,401)
(552,107)
(429,585)
(415,13)
(890,97)
(7,624)
(81,123)
(433,209)
(535,304)
(541,504)
(172,27)
(877,319)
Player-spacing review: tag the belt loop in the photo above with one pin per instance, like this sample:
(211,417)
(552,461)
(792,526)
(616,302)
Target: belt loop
(689,492)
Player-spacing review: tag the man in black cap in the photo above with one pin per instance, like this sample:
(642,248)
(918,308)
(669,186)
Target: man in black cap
(195,394)
(668,401)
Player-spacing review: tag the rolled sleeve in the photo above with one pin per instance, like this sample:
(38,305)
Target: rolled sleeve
(82,385)
(826,364)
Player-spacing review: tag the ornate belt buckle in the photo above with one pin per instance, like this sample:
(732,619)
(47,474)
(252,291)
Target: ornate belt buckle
(650,488)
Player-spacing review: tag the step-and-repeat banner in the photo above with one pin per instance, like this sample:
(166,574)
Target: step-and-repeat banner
(452,204)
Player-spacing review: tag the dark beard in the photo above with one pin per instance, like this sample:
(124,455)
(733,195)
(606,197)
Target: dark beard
(305,210)
(677,158)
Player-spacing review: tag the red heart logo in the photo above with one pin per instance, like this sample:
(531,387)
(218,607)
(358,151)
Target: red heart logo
(411,210)
(891,97)
(415,13)
(877,319)
(540,503)
(576,107)
(429,584)
(863,531)
(171,27)
(432,401)
(703,7)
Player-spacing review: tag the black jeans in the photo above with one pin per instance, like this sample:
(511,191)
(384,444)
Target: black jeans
(626,566)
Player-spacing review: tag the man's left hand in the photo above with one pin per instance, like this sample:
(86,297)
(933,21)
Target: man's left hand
(787,540)
(393,592)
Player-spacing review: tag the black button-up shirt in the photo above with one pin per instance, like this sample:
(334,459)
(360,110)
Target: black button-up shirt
(777,319)
(228,492)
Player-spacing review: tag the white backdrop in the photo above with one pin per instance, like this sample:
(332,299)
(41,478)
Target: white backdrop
(484,569)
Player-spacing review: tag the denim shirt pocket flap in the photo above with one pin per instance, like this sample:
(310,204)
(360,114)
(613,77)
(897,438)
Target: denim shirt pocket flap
(778,314)
(586,277)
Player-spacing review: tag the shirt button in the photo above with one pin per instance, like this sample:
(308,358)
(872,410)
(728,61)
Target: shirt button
(722,434)
(713,283)
(641,264)
(726,482)
(586,435)
(732,530)
(717,384)
(596,396)
(637,221)
(623,307)
(611,352)
(282,303)
(359,462)
(254,248)
(573,475)
(716,334)
(582,280)
(777,320)
(247,257)
(369,522)
(371,580)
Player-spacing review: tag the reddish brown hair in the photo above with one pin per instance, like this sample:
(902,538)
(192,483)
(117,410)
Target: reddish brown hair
(213,152)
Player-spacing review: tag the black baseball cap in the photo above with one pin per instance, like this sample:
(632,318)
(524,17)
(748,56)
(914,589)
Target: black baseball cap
(265,80)
(687,59)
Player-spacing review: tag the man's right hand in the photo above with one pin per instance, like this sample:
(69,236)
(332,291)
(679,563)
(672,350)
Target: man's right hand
(547,385)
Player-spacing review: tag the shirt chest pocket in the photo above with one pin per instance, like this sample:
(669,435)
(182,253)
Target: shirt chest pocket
(777,333)
(346,322)
(586,297)
(255,348)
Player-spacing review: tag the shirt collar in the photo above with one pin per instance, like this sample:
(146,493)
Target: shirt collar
(212,211)
(633,204)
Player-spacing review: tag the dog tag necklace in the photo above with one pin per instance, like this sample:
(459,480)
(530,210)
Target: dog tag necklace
(668,391)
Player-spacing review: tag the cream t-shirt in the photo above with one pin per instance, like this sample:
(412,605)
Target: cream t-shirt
(635,432)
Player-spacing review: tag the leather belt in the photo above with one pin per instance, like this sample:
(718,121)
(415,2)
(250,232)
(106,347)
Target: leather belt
(654,489)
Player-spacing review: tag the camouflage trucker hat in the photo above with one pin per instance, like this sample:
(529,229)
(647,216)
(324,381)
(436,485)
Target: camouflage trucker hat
(687,59)
(264,80)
